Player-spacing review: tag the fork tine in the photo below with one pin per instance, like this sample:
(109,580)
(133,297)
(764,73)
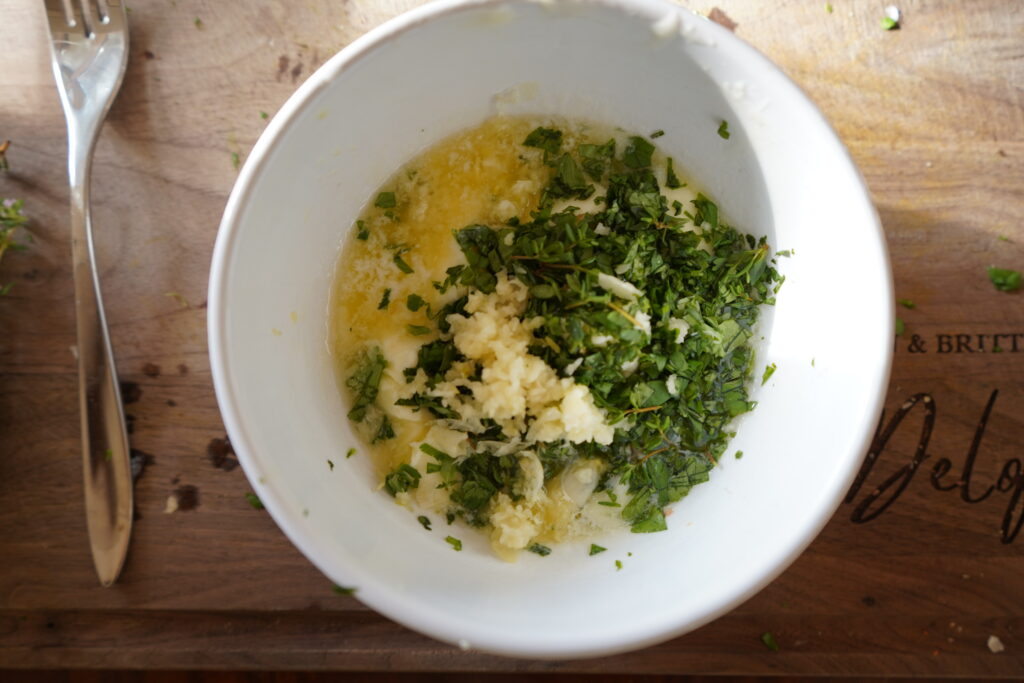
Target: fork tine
(83,9)
(61,9)
(102,11)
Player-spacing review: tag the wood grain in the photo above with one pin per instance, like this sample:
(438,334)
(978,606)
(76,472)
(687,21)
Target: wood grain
(933,116)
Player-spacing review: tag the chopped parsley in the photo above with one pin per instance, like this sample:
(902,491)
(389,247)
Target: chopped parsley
(1004,279)
(657,134)
(385,200)
(453,542)
(414,302)
(671,179)
(236,160)
(198,23)
(739,455)
(264,115)
(417,330)
(828,7)
(424,521)
(889,24)
(254,500)
(618,565)
(538,549)
(400,262)
(350,453)
(546,139)
(343,590)
(403,478)
(901,327)
(906,303)
(363,232)
(365,382)
(769,370)
(330,464)
(385,300)
(595,549)
(769,641)
(723,130)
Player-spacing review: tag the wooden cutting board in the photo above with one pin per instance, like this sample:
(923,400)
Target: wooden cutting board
(921,566)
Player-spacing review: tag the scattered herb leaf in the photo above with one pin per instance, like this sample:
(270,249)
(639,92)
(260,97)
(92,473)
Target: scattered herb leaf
(769,370)
(454,543)
(254,500)
(769,641)
(596,549)
(385,200)
(538,549)
(343,590)
(1004,279)
(723,130)
(402,265)
(385,300)
(403,478)
(424,521)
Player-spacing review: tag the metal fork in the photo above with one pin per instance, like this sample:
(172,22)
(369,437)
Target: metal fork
(89,41)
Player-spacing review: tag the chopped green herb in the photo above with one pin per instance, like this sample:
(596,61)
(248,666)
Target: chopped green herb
(350,453)
(828,7)
(236,161)
(769,641)
(414,302)
(330,464)
(539,549)
(264,115)
(900,326)
(618,565)
(723,130)
(1002,238)
(546,139)
(108,455)
(425,521)
(906,303)
(454,543)
(385,300)
(198,23)
(417,330)
(363,231)
(657,134)
(769,370)
(342,590)
(671,179)
(596,549)
(403,478)
(402,265)
(365,382)
(385,200)
(888,23)
(254,500)
(739,455)
(1004,279)
(637,153)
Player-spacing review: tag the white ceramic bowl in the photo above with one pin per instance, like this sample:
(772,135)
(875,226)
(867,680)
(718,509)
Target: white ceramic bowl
(643,65)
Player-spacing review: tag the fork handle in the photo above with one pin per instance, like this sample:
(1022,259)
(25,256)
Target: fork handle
(105,453)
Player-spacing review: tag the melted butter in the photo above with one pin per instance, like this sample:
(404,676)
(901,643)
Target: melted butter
(483,175)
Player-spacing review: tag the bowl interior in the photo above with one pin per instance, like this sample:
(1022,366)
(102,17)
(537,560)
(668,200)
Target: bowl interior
(643,65)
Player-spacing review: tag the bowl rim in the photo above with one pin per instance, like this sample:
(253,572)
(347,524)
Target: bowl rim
(377,597)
